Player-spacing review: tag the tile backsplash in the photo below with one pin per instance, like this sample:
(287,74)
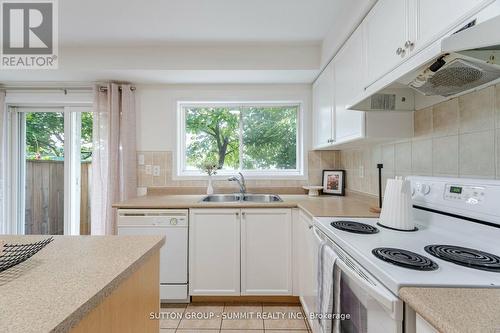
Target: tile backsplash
(163,162)
(456,138)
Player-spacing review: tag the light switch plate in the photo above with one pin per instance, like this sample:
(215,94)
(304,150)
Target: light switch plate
(148,169)
(156,170)
(140,159)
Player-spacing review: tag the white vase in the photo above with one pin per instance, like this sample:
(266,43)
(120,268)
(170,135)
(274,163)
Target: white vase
(210,188)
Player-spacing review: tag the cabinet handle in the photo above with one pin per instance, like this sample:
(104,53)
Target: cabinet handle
(242,213)
(409,44)
(237,214)
(311,226)
(399,51)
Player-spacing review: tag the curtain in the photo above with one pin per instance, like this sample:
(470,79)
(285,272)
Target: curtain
(3,161)
(114,176)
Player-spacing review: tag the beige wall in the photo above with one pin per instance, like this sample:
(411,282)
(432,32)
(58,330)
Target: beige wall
(157,129)
(456,138)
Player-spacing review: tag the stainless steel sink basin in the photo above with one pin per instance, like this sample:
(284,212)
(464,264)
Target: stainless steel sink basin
(222,198)
(263,198)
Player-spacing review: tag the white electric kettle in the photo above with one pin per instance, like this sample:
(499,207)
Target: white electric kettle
(396,210)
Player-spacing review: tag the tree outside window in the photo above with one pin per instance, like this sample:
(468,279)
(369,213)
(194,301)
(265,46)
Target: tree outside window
(45,136)
(244,138)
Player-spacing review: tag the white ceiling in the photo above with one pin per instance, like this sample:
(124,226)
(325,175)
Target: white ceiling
(196,41)
(159,21)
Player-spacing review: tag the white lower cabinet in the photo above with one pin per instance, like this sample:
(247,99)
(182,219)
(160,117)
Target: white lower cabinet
(240,252)
(266,252)
(214,252)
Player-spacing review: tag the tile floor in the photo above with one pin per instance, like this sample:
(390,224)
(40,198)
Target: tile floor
(232,318)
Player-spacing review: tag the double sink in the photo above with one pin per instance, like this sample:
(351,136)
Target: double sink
(263,198)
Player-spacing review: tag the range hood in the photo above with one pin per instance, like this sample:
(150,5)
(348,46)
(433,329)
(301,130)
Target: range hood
(465,60)
(469,59)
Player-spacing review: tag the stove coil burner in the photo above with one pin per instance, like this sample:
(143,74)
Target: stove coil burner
(405,259)
(354,227)
(465,257)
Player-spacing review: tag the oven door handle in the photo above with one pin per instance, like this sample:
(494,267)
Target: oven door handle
(369,284)
(319,238)
(374,289)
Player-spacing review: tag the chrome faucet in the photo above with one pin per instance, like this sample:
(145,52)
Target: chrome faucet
(241,182)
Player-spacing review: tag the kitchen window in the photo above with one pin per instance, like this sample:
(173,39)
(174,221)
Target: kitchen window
(258,139)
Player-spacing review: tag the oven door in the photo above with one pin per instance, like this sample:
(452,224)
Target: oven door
(370,307)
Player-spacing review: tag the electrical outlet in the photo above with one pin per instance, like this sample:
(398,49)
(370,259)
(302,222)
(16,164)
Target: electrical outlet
(156,170)
(140,159)
(148,168)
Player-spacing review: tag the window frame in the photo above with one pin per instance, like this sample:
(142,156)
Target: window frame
(183,174)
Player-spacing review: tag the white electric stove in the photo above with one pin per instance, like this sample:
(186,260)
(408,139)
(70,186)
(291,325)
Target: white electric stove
(457,244)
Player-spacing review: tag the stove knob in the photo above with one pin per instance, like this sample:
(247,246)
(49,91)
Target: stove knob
(424,189)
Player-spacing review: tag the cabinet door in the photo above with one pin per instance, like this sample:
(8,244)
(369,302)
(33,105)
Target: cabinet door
(266,252)
(386,31)
(433,18)
(214,251)
(349,84)
(323,102)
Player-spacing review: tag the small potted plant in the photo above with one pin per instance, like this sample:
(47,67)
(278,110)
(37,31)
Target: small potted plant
(210,167)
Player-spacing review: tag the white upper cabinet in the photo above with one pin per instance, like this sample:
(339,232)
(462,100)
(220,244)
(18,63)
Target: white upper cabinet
(386,34)
(431,18)
(323,105)
(349,83)
(397,29)
(392,32)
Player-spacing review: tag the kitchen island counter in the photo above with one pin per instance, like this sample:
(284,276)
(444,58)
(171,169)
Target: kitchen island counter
(456,310)
(58,287)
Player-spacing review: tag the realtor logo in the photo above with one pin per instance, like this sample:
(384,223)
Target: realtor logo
(29,34)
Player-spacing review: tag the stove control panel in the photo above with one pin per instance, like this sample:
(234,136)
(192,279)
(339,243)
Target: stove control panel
(469,194)
(472,198)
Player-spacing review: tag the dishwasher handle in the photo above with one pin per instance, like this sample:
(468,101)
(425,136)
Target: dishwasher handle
(138,218)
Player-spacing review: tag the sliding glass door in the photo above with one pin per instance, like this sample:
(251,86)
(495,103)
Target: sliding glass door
(51,168)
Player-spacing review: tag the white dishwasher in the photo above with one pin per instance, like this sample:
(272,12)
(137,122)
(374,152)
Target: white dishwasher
(173,224)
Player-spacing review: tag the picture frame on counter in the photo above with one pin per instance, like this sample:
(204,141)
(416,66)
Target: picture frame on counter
(334,182)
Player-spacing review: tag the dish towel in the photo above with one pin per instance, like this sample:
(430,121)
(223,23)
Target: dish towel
(326,265)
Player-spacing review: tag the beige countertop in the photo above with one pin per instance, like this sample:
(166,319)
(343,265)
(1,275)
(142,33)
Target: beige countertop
(354,205)
(57,287)
(456,310)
